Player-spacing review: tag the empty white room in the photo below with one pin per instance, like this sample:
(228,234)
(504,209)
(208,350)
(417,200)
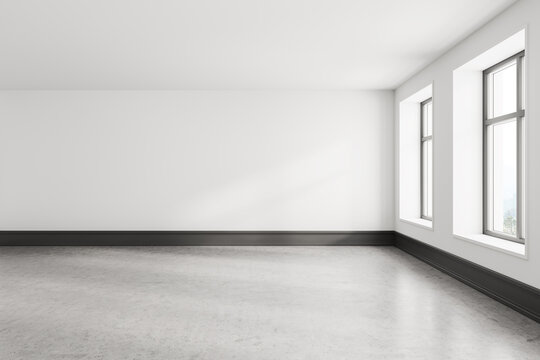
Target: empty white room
(269,179)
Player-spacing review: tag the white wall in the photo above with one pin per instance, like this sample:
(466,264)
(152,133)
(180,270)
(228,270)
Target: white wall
(525,13)
(196,160)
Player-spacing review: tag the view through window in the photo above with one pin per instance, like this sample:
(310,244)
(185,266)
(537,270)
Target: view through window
(426,146)
(503,126)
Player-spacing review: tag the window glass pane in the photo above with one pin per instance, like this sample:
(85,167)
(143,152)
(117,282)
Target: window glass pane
(429,178)
(424,178)
(424,120)
(429,111)
(505,177)
(427,119)
(523,78)
(504,90)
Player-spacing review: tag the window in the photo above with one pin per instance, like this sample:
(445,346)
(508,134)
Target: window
(504,112)
(426,159)
(415,158)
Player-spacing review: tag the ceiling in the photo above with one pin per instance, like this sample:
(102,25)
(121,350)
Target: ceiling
(228,44)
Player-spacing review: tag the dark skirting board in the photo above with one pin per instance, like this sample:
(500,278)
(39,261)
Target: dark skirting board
(515,294)
(194,238)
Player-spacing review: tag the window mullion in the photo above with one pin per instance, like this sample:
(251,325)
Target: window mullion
(498,119)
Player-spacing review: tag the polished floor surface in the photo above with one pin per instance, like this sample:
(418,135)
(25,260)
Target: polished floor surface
(246,303)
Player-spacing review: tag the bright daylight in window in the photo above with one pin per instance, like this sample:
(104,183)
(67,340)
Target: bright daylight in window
(426,156)
(503,166)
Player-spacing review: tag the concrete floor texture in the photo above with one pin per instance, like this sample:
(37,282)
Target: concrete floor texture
(247,303)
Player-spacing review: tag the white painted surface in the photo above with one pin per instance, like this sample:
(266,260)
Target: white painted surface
(468,172)
(196,160)
(234,44)
(525,13)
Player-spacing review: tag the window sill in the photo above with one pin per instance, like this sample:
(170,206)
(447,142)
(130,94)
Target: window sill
(495,243)
(423,223)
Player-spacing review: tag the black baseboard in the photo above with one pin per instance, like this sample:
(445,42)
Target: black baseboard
(515,294)
(193,238)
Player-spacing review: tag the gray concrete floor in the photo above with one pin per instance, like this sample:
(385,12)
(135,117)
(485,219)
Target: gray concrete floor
(246,303)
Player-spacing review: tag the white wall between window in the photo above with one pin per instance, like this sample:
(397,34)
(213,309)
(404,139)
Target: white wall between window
(196,160)
(457,181)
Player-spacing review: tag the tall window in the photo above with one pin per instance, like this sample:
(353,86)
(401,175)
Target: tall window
(504,111)
(426,156)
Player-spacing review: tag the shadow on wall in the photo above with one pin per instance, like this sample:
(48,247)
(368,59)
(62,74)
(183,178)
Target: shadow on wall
(280,192)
